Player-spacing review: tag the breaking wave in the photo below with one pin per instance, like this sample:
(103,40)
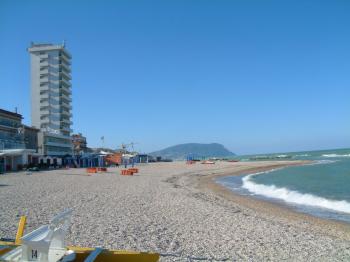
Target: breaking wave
(336,155)
(294,197)
(322,162)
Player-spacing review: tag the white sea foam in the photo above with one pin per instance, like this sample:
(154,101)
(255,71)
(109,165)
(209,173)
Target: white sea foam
(322,162)
(294,197)
(336,155)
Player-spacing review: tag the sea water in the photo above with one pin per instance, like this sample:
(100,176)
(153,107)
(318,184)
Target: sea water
(321,188)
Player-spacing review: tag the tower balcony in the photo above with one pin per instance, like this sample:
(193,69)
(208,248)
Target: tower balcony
(67,129)
(66,121)
(44,103)
(44,70)
(45,95)
(44,62)
(45,120)
(65,98)
(65,67)
(44,56)
(64,59)
(65,90)
(66,113)
(64,81)
(44,79)
(65,75)
(65,105)
(44,87)
(45,113)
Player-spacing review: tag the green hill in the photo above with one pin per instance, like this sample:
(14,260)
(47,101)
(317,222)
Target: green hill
(180,152)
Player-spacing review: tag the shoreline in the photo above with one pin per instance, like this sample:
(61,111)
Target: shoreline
(171,208)
(280,211)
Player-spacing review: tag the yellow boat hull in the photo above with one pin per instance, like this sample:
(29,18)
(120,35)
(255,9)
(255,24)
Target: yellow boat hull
(106,255)
(114,255)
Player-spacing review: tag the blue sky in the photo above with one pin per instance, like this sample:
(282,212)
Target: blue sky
(256,76)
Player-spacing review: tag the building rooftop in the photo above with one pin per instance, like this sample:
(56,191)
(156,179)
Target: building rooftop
(31,127)
(32,44)
(13,114)
(37,47)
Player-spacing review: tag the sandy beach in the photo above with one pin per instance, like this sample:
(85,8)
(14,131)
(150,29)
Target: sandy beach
(174,209)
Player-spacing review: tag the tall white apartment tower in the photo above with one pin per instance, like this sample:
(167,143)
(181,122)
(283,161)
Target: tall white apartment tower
(51,97)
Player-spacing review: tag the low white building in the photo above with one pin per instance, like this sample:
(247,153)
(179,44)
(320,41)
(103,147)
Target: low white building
(50,161)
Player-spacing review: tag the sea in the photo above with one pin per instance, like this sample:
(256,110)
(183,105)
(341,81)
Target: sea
(321,188)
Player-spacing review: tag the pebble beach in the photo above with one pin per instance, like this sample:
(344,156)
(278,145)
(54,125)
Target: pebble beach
(174,209)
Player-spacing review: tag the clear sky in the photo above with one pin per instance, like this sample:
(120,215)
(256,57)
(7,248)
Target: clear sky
(256,76)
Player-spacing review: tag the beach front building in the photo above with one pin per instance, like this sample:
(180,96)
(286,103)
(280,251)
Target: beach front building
(142,158)
(10,130)
(18,142)
(51,98)
(79,144)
